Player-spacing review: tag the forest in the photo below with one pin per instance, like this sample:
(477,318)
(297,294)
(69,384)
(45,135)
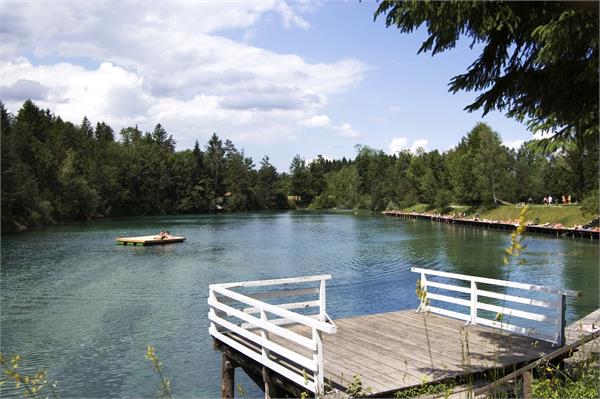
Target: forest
(54,171)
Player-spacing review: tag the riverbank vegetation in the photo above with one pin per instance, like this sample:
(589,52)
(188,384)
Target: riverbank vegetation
(55,171)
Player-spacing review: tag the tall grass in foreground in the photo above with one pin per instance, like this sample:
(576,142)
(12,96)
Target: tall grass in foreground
(30,385)
(164,392)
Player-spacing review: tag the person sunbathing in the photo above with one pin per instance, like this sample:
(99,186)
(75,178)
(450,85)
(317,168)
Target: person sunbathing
(164,235)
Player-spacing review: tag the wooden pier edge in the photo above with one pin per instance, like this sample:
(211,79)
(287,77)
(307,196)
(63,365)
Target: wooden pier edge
(558,232)
(383,350)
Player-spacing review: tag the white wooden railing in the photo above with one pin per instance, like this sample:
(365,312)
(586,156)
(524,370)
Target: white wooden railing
(260,337)
(506,317)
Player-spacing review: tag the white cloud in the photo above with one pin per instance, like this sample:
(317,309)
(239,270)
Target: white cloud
(317,121)
(515,144)
(397,144)
(539,135)
(24,88)
(419,143)
(128,63)
(394,108)
(290,18)
(108,93)
(311,160)
(346,130)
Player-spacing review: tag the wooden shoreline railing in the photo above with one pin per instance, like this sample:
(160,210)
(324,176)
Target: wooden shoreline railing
(225,303)
(558,307)
(526,372)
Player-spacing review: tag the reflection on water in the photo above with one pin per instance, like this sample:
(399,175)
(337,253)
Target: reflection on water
(75,303)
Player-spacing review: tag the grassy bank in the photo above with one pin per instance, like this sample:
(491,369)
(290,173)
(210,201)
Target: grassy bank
(567,215)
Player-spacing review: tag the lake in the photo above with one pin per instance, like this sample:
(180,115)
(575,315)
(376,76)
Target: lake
(85,309)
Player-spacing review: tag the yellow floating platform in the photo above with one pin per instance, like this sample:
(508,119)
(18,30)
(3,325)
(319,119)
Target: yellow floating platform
(148,240)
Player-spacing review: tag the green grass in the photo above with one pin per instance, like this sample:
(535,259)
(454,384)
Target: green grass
(567,215)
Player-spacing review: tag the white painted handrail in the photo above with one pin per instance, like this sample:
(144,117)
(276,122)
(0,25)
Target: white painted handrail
(260,332)
(557,323)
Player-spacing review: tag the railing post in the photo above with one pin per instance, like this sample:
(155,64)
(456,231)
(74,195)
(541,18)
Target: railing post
(317,337)
(473,320)
(562,310)
(322,301)
(423,298)
(318,361)
(265,353)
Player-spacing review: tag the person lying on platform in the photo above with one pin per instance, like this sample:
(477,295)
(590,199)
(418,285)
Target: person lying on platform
(164,235)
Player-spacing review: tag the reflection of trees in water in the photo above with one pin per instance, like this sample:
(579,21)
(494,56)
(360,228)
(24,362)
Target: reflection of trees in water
(577,273)
(560,263)
(458,249)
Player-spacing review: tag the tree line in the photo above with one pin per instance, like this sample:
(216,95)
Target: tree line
(54,171)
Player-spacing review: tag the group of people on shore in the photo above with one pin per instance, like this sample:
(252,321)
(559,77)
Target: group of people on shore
(548,200)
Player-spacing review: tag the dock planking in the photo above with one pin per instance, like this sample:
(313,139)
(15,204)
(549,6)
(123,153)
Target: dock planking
(582,327)
(398,350)
(306,352)
(148,240)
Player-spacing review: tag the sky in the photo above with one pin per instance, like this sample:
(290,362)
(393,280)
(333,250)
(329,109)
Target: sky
(277,78)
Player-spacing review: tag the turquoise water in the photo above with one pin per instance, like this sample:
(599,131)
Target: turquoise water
(84,308)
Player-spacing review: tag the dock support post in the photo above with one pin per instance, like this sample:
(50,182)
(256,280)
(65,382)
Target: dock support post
(271,389)
(527,379)
(227,378)
(562,310)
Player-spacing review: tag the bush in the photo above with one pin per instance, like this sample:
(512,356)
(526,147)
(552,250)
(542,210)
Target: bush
(410,198)
(591,204)
(442,200)
(323,201)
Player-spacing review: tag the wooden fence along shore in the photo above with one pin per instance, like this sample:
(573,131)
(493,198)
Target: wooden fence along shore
(466,327)
(534,228)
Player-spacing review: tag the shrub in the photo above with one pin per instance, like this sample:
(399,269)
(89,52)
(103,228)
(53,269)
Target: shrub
(591,204)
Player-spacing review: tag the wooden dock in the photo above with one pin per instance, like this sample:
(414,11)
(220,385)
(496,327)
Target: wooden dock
(287,352)
(148,240)
(398,350)
(585,326)
(541,229)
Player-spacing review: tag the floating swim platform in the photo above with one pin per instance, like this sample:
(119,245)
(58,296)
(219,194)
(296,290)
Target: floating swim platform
(148,240)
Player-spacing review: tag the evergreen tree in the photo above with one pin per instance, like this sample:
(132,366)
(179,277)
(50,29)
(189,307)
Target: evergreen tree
(163,139)
(539,59)
(266,185)
(86,128)
(104,133)
(300,180)
(215,166)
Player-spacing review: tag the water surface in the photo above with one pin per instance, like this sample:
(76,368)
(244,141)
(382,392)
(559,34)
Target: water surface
(85,309)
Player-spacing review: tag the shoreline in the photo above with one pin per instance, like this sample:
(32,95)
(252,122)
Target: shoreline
(555,230)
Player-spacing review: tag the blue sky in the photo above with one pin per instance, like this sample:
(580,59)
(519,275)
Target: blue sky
(276,78)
